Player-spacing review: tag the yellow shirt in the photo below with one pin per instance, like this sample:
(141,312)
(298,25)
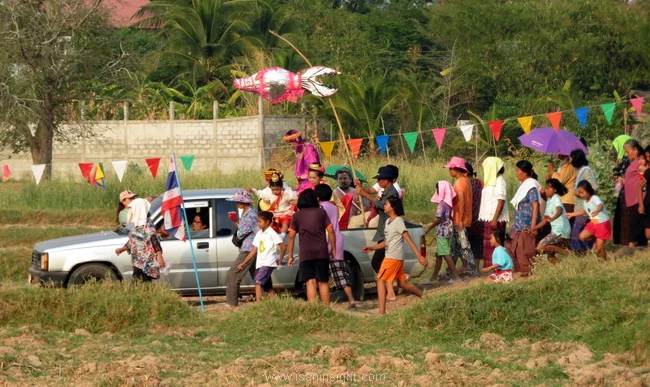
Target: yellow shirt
(567,176)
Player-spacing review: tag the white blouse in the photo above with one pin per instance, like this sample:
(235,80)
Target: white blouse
(284,207)
(490,199)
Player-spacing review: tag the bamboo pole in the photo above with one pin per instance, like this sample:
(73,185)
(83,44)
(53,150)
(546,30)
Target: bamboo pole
(348,151)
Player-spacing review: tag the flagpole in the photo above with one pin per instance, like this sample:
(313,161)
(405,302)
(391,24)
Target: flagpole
(188,233)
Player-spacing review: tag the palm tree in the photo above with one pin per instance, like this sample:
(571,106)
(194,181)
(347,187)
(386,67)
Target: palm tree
(203,36)
(365,102)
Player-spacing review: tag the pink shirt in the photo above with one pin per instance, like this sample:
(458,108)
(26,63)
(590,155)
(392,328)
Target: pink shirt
(333,213)
(632,184)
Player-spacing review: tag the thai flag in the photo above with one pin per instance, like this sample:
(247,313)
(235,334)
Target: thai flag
(171,205)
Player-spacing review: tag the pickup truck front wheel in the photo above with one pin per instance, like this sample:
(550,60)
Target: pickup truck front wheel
(91,272)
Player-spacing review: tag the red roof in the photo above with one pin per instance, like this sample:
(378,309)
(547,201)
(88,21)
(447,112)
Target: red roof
(123,10)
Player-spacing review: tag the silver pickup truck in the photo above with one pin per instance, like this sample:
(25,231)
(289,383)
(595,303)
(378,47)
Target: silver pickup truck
(78,259)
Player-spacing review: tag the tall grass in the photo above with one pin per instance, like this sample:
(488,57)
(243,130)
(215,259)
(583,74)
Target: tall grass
(600,304)
(582,300)
(97,307)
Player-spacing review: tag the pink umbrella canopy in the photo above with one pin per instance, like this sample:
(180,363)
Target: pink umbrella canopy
(546,140)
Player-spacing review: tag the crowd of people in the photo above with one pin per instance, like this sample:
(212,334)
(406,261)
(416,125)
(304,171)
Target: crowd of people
(472,217)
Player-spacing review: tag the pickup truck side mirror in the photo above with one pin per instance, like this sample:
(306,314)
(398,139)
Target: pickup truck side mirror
(224,232)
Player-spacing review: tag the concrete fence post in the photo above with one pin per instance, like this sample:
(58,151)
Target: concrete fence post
(215,132)
(82,108)
(171,110)
(126,110)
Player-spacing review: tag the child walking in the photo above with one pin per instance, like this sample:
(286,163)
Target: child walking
(599,227)
(338,270)
(557,241)
(501,260)
(265,246)
(444,197)
(392,267)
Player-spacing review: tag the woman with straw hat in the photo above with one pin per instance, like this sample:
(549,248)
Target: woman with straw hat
(246,230)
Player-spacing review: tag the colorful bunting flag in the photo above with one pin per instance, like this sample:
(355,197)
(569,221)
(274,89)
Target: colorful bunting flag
(439,135)
(86,169)
(153,165)
(99,176)
(411,138)
(327,148)
(467,131)
(608,110)
(637,104)
(355,146)
(495,128)
(581,115)
(119,167)
(526,123)
(555,118)
(188,160)
(38,170)
(382,143)
(6,173)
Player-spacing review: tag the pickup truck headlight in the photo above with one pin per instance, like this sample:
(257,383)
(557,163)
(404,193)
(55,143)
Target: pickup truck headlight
(45,261)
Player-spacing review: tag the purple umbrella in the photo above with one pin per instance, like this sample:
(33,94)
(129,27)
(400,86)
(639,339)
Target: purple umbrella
(546,140)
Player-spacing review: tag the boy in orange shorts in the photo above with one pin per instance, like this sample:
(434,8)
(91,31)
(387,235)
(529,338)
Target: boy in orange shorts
(392,268)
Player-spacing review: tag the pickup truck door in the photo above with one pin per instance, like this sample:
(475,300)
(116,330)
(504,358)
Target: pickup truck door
(178,253)
(227,252)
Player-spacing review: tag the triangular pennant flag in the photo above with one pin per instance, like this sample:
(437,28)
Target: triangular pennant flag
(495,128)
(187,161)
(6,173)
(555,118)
(467,131)
(439,135)
(411,138)
(637,103)
(581,115)
(86,169)
(382,143)
(99,176)
(38,170)
(153,166)
(355,146)
(119,167)
(526,123)
(608,110)
(327,148)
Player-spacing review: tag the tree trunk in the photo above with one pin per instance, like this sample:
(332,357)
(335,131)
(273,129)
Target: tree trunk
(42,142)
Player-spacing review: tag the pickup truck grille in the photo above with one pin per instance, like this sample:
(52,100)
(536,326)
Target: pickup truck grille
(36,259)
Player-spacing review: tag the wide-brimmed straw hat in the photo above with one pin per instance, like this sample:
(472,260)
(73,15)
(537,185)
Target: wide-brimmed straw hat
(127,195)
(241,196)
(457,162)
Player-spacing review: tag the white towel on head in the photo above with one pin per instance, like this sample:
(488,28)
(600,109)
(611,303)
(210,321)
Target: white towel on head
(139,212)
(523,189)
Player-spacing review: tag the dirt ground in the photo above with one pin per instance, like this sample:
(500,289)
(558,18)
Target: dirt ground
(322,365)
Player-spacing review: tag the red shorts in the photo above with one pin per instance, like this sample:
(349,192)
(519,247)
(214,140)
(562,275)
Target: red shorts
(600,230)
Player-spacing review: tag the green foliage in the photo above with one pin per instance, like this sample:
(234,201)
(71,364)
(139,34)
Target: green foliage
(600,161)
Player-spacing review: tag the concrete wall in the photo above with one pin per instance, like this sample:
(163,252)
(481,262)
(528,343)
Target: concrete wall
(226,144)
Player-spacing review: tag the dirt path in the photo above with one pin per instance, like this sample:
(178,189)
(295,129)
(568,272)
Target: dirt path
(366,308)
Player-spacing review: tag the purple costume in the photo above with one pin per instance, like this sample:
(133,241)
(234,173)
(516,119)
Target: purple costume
(308,156)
